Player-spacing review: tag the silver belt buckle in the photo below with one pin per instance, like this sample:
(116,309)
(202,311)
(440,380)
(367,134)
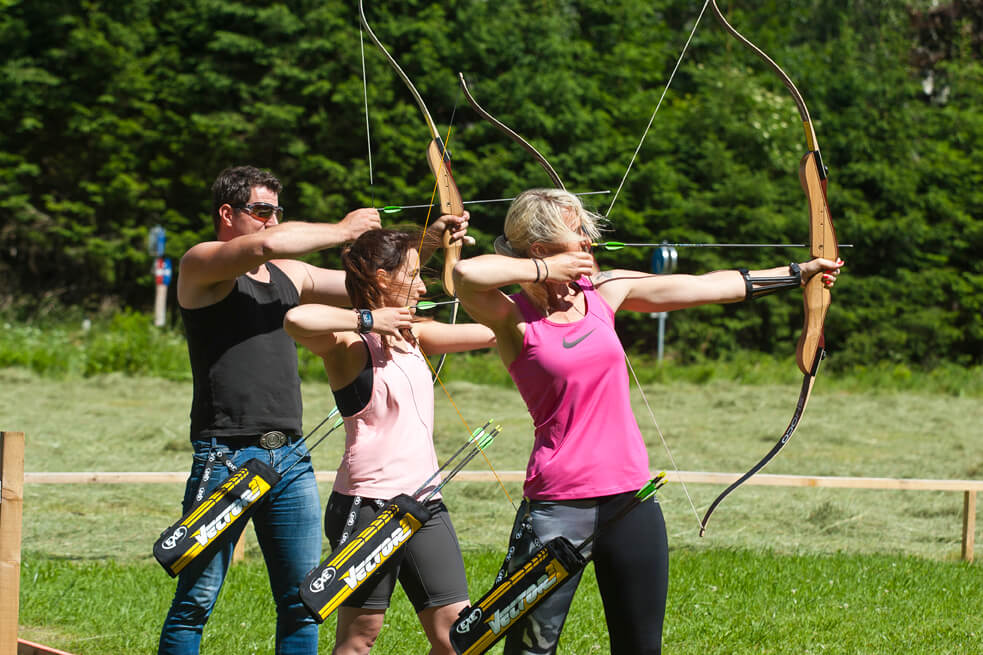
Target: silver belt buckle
(272,440)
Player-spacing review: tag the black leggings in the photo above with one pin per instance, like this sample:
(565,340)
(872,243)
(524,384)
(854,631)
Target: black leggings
(631,562)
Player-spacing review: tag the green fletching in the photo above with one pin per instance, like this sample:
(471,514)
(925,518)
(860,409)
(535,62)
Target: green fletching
(650,488)
(646,491)
(489,438)
(477,432)
(429,304)
(391,209)
(609,245)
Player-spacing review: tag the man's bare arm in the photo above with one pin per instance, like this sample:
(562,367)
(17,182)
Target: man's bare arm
(209,269)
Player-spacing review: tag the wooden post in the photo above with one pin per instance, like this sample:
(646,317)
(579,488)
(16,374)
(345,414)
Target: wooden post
(969,525)
(11,513)
(160,305)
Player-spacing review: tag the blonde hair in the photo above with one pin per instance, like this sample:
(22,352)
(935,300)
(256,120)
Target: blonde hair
(538,215)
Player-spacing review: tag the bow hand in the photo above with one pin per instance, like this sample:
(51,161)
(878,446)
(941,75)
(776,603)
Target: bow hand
(827,269)
(453,229)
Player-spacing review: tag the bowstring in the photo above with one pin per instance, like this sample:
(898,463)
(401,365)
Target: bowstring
(665,90)
(365,96)
(648,127)
(662,438)
(468,428)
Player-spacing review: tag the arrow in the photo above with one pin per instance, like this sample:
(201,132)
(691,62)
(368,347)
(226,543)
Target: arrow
(651,487)
(483,441)
(393,209)
(640,497)
(477,433)
(618,245)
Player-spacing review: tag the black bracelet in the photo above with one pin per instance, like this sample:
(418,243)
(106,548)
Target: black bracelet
(748,285)
(546,268)
(536,263)
(365,320)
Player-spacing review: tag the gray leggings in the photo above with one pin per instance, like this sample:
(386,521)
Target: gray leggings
(631,562)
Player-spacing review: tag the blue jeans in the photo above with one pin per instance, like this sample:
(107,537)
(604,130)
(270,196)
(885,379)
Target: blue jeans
(288,526)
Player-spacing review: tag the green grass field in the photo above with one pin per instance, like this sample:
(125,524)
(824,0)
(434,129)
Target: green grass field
(780,570)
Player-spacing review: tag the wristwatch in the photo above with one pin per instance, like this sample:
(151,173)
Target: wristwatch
(364,320)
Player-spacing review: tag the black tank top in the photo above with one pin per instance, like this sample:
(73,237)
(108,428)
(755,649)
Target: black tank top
(243,363)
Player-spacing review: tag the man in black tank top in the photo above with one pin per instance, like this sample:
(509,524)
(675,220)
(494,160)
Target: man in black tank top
(233,293)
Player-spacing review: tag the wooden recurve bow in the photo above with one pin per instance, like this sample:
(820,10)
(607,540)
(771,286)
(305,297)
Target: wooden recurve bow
(811,348)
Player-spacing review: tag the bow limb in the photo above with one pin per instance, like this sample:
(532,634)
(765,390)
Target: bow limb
(810,349)
(512,134)
(804,394)
(439,160)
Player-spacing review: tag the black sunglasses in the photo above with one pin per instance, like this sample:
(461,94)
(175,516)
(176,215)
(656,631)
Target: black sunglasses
(262,211)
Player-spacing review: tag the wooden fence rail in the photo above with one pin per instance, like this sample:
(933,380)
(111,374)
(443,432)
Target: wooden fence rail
(969,487)
(12,481)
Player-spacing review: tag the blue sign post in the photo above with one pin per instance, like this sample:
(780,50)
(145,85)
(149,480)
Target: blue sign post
(155,241)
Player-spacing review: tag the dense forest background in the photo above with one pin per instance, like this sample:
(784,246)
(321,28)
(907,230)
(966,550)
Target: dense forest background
(116,116)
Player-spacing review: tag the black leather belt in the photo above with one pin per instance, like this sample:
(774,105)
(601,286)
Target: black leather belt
(269,440)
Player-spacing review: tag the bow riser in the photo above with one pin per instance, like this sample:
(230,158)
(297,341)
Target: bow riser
(450,203)
(439,160)
(816,297)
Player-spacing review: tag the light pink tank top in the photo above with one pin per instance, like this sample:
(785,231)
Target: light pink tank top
(389,443)
(575,383)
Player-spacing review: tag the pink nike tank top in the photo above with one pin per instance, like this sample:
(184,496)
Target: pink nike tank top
(575,383)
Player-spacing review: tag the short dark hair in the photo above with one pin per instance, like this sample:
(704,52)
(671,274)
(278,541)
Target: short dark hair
(234,185)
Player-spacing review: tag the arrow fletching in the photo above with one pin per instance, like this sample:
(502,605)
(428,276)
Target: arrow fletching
(651,487)
(424,305)
(489,438)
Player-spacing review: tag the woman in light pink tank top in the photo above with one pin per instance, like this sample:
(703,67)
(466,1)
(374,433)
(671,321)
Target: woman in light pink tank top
(374,359)
(556,337)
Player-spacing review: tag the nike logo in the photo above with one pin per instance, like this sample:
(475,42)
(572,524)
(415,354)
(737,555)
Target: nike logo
(571,344)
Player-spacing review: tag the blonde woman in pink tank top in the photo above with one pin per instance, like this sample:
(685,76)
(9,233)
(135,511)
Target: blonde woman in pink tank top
(374,359)
(557,339)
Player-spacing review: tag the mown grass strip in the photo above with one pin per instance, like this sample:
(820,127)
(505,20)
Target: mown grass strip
(720,602)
